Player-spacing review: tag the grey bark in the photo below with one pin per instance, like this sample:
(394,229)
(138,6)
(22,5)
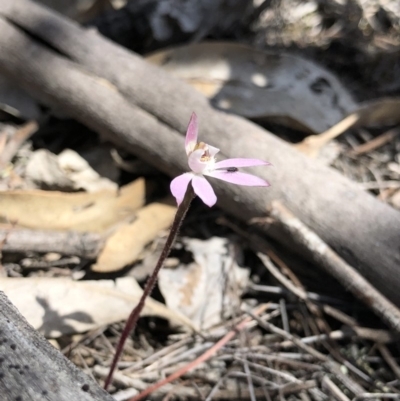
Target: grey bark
(31,369)
(146,110)
(85,245)
(336,266)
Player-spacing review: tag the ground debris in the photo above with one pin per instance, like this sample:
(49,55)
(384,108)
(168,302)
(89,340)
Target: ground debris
(289,331)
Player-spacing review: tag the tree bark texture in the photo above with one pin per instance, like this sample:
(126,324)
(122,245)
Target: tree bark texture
(31,369)
(86,245)
(145,110)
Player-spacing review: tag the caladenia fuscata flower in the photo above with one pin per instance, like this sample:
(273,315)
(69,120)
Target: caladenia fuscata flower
(201,159)
(202,162)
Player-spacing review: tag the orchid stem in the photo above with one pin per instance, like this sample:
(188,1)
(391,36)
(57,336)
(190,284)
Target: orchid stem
(151,282)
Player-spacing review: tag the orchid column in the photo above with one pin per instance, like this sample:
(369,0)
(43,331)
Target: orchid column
(201,160)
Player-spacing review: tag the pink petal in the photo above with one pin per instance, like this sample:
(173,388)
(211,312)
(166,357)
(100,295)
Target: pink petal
(179,186)
(204,191)
(240,163)
(239,178)
(191,134)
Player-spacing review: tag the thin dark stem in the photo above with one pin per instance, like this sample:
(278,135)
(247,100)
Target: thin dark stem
(135,314)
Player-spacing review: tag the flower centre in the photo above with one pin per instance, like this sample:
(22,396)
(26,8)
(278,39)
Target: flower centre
(206,155)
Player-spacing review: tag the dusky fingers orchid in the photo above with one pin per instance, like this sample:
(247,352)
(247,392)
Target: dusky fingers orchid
(201,160)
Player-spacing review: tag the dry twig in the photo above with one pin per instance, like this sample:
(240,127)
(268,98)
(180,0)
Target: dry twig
(85,245)
(13,144)
(335,265)
(204,357)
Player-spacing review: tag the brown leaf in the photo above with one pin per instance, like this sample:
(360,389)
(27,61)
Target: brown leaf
(93,212)
(395,200)
(127,242)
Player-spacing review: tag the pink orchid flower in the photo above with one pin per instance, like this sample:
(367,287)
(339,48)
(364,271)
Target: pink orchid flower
(201,160)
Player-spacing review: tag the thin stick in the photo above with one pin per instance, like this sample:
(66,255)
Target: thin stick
(313,143)
(375,143)
(269,371)
(297,341)
(332,366)
(202,358)
(337,267)
(297,290)
(387,356)
(334,389)
(249,380)
(19,137)
(151,282)
(373,396)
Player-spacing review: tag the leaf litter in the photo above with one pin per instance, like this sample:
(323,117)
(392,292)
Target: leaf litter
(260,85)
(207,290)
(57,306)
(67,172)
(310,342)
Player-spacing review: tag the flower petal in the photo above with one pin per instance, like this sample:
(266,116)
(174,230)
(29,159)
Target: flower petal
(240,163)
(239,178)
(203,190)
(179,186)
(191,134)
(212,150)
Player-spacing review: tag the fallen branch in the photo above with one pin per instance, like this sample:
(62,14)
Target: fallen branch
(333,264)
(85,245)
(145,110)
(34,370)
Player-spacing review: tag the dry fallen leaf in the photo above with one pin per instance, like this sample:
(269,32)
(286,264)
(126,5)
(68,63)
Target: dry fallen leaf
(259,84)
(395,200)
(209,289)
(58,306)
(95,212)
(43,171)
(127,242)
(82,174)
(67,171)
(375,113)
